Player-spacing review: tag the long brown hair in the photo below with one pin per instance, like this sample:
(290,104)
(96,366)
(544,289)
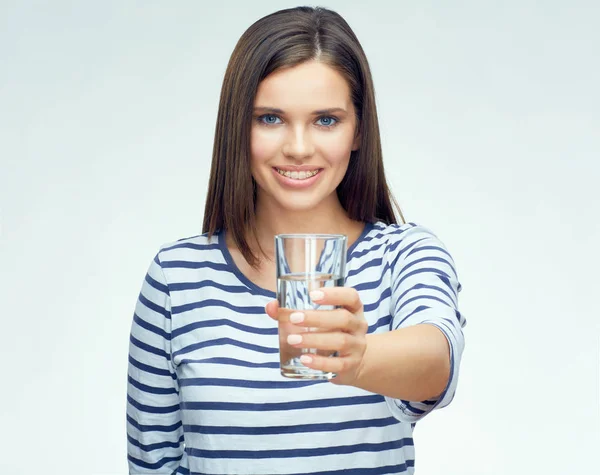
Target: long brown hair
(281,40)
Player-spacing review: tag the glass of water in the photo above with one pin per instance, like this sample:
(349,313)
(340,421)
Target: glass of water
(305,262)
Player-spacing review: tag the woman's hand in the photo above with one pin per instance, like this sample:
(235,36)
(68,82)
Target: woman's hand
(343,330)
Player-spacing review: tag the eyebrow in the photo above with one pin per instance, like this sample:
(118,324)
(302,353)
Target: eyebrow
(274,110)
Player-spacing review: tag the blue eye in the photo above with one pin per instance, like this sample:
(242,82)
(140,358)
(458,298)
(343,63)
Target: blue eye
(268,119)
(328,121)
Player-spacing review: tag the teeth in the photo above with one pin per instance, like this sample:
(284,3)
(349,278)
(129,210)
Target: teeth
(298,175)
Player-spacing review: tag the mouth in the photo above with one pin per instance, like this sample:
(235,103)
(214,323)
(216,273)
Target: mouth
(298,175)
(297,179)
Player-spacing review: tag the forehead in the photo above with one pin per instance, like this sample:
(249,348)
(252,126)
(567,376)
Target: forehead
(310,85)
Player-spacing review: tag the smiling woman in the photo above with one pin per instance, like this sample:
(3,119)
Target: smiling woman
(290,73)
(297,150)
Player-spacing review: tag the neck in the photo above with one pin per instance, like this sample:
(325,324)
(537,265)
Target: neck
(330,218)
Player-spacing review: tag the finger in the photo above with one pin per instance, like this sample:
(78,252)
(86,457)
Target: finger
(346,297)
(327,364)
(341,342)
(338,319)
(272,309)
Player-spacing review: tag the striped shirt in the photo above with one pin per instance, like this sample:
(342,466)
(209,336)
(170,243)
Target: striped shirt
(205,395)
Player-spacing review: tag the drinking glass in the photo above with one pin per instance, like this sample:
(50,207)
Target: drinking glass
(305,262)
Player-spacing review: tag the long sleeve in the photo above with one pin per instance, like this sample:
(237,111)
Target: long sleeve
(154,427)
(424,290)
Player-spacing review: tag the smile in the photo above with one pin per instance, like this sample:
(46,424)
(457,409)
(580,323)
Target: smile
(302,175)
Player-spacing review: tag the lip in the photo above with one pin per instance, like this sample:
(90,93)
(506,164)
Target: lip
(296,184)
(300,168)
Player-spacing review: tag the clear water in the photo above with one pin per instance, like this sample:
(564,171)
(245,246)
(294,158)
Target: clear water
(293,293)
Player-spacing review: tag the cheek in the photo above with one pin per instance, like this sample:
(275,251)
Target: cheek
(262,146)
(337,150)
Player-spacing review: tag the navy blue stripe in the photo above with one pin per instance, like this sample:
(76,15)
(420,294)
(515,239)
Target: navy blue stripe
(365,232)
(232,362)
(387,469)
(223,322)
(452,298)
(375,284)
(196,265)
(152,328)
(404,249)
(420,308)
(159,445)
(370,307)
(163,461)
(459,316)
(155,307)
(153,427)
(425,270)
(225,341)
(375,236)
(326,255)
(195,236)
(382,322)
(367,251)
(392,231)
(217,303)
(157,285)
(152,409)
(149,348)
(424,297)
(366,265)
(151,369)
(430,248)
(446,280)
(233,289)
(451,323)
(295,429)
(192,245)
(301,452)
(282,406)
(370,285)
(151,389)
(244,383)
(429,259)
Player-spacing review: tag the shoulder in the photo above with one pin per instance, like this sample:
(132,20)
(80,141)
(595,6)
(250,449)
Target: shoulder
(396,234)
(397,241)
(190,249)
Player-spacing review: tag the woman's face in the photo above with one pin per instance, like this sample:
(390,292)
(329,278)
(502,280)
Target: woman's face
(303,131)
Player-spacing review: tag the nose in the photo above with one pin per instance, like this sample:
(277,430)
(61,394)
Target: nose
(298,144)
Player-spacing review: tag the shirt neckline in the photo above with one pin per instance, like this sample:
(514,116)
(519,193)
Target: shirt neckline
(260,290)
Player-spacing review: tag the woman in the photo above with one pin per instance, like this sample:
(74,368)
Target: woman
(297,149)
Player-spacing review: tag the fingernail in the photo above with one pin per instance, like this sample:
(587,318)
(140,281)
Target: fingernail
(294,339)
(305,359)
(297,317)
(317,295)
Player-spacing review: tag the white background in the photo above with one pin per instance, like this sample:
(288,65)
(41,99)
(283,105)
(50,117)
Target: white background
(491,135)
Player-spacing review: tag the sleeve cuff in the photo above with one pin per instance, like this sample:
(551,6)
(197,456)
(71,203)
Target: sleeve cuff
(413,411)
